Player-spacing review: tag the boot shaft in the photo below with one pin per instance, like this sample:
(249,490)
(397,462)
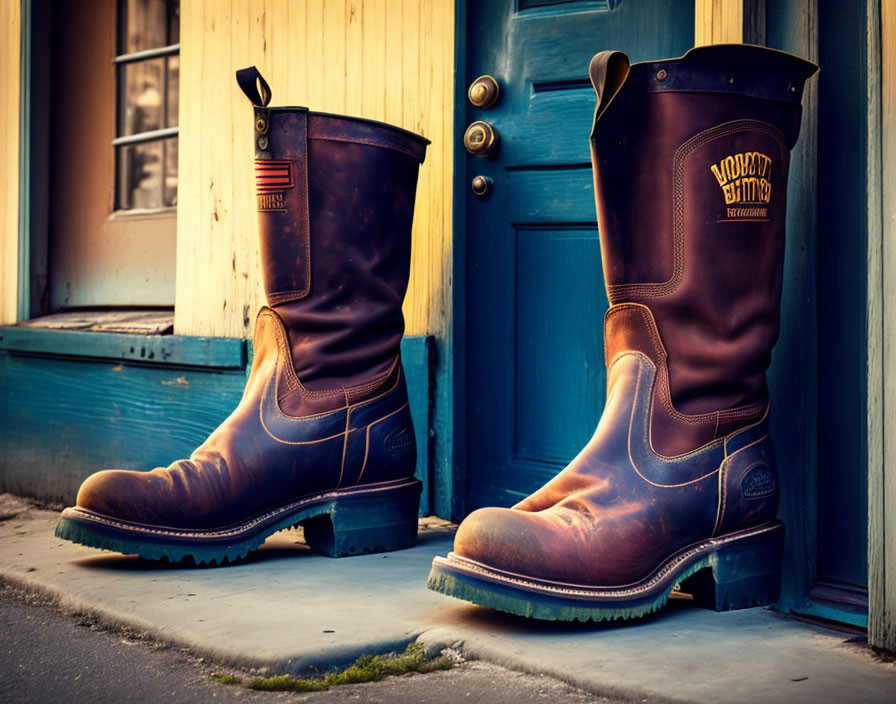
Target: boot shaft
(335,198)
(690,162)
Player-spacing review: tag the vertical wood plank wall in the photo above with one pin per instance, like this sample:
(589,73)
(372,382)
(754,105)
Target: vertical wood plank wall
(390,60)
(10,28)
(718,22)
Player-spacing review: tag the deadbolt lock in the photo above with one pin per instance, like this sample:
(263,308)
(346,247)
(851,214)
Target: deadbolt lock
(481,139)
(484,92)
(481,185)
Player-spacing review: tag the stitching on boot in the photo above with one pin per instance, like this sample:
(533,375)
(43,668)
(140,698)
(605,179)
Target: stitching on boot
(348,417)
(367,441)
(661,381)
(664,460)
(649,290)
(723,496)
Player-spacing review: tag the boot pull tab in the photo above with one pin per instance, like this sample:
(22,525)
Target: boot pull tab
(608,70)
(258,92)
(250,81)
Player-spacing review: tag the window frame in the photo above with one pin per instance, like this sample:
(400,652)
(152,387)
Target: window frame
(122,141)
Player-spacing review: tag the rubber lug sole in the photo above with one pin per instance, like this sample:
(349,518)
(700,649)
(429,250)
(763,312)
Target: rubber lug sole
(338,523)
(735,571)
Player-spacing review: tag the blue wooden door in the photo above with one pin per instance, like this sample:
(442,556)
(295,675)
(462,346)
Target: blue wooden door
(534,290)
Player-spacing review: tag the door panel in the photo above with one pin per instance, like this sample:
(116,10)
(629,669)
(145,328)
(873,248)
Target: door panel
(555,353)
(534,289)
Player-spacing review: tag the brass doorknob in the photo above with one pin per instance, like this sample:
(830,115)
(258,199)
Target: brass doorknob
(481,185)
(481,139)
(484,92)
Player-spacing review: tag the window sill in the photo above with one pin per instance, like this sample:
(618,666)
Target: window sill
(179,350)
(134,213)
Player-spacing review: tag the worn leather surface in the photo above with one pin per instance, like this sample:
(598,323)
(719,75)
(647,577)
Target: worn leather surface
(336,258)
(261,457)
(713,283)
(325,405)
(619,509)
(690,162)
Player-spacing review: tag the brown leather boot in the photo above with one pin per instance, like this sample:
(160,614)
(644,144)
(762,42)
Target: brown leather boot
(678,483)
(323,434)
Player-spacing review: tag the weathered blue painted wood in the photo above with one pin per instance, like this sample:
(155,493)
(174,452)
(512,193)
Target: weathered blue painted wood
(218,352)
(559,195)
(63,419)
(417,358)
(793,377)
(69,410)
(450,376)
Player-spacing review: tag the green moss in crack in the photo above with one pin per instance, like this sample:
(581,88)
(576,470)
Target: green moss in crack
(367,668)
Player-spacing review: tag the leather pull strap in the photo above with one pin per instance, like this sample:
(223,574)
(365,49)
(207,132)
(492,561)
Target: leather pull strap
(608,71)
(254,86)
(257,90)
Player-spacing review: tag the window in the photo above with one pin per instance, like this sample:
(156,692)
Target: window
(147,88)
(112,157)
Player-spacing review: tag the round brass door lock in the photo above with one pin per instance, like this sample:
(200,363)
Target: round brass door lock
(484,92)
(481,139)
(481,185)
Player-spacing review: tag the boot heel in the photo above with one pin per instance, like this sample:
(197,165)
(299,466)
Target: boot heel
(366,522)
(742,574)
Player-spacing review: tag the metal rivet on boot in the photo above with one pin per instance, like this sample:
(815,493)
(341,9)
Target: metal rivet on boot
(262,143)
(661,74)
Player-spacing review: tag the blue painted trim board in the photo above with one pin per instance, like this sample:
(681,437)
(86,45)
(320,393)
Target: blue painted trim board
(216,352)
(23,302)
(450,405)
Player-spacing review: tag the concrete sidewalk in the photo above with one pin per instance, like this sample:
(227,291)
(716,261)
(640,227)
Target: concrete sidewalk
(292,611)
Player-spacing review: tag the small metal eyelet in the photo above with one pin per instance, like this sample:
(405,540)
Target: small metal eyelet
(261,124)
(661,74)
(263,143)
(731,80)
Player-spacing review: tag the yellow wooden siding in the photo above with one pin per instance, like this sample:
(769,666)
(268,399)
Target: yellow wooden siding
(390,60)
(718,22)
(9,158)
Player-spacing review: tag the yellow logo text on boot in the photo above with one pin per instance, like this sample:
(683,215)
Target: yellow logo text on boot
(745,180)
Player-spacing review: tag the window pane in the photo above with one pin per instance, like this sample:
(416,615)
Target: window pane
(173,21)
(146,22)
(170,195)
(173,90)
(140,176)
(142,84)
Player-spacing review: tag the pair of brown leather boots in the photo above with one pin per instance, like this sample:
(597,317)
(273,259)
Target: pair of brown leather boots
(677,486)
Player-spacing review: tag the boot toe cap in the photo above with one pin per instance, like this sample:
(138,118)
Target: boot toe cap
(124,495)
(527,544)
(558,544)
